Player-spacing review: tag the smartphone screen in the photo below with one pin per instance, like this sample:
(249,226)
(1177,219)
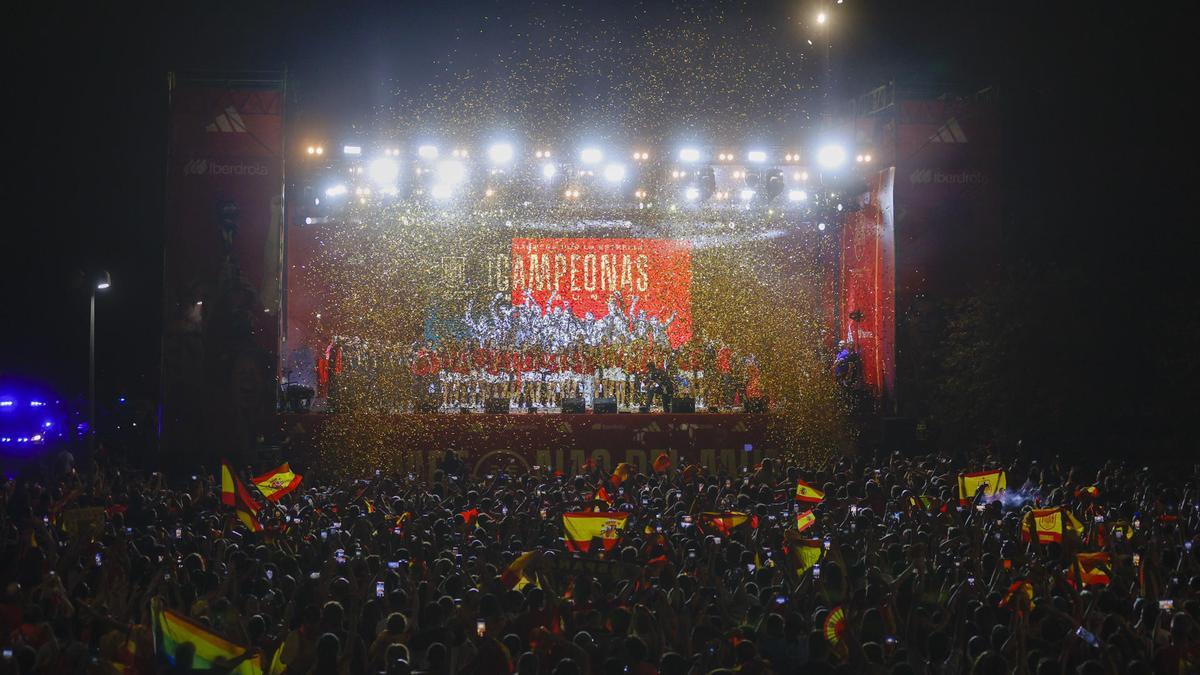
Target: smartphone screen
(480,627)
(1166,605)
(379,589)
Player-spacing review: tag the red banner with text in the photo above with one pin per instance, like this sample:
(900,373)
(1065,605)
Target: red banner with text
(643,278)
(868,284)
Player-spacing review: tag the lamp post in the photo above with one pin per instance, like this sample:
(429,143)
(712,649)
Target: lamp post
(101,282)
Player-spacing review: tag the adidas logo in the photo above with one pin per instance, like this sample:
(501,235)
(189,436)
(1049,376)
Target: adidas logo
(950,132)
(228,122)
(921,176)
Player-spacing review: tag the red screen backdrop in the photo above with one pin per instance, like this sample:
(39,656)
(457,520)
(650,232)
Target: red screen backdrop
(584,273)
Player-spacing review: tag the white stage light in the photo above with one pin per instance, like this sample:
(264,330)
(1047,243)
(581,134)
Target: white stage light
(822,18)
(692,194)
(500,153)
(689,155)
(797,195)
(756,156)
(614,173)
(336,191)
(821,226)
(383,172)
(831,156)
(450,172)
(747,194)
(549,171)
(352,150)
(591,156)
(427,152)
(441,191)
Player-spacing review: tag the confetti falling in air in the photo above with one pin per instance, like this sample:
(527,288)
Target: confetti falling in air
(405,272)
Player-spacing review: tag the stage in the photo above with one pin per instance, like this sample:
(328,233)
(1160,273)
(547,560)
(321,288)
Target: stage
(520,442)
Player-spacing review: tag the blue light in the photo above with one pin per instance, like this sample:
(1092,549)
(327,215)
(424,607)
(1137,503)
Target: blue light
(36,404)
(122,399)
(47,424)
(7,404)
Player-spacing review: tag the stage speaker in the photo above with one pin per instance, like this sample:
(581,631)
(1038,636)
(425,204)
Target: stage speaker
(604,406)
(496,406)
(683,405)
(573,406)
(427,405)
(756,405)
(644,409)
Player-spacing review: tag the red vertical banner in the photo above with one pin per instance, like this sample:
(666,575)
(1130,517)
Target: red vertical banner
(222,253)
(868,284)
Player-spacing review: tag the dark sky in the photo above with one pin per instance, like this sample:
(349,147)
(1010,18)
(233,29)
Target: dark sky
(1095,101)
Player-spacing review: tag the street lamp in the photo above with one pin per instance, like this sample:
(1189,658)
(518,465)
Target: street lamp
(101,282)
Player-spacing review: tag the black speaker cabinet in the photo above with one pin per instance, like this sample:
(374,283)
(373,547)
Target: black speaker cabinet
(496,406)
(683,405)
(573,406)
(604,406)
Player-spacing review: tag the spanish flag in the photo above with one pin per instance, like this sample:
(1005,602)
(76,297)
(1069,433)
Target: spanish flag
(805,520)
(514,575)
(621,474)
(722,522)
(1090,491)
(662,463)
(277,482)
(806,553)
(235,494)
(1050,524)
(1093,568)
(172,630)
(991,482)
(1020,589)
(808,493)
(580,528)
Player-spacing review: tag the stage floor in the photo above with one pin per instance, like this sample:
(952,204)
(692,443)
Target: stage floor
(555,441)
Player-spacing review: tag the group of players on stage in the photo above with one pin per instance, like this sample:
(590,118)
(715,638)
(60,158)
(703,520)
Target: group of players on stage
(455,375)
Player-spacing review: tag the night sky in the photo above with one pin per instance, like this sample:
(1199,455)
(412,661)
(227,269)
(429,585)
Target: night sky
(1096,129)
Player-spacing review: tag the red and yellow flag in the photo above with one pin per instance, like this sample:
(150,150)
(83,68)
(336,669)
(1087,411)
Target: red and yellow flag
(277,482)
(1050,524)
(621,474)
(235,494)
(1093,568)
(514,575)
(662,463)
(991,482)
(1020,589)
(805,553)
(172,630)
(805,520)
(580,528)
(808,493)
(722,522)
(1090,491)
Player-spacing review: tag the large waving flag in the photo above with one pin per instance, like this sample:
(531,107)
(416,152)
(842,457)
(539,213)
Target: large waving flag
(621,474)
(277,482)
(1050,524)
(808,493)
(1093,568)
(580,528)
(235,494)
(172,630)
(722,522)
(991,481)
(805,553)
(1020,592)
(514,575)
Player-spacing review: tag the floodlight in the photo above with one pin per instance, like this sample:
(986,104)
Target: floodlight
(797,195)
(689,155)
(831,156)
(352,150)
(500,153)
(336,191)
(383,171)
(549,171)
(103,281)
(591,156)
(747,194)
(692,194)
(614,173)
(427,152)
(756,156)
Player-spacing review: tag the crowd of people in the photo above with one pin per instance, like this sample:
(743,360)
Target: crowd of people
(440,574)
